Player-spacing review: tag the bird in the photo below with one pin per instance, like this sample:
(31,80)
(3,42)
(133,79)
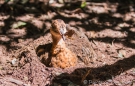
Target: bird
(65,38)
(61,56)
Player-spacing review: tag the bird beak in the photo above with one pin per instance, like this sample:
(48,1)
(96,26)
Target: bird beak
(63,37)
(62,32)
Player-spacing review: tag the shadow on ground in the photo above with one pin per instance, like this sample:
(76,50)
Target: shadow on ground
(97,74)
(87,23)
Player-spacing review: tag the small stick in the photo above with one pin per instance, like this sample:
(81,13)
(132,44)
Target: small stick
(85,76)
(17,82)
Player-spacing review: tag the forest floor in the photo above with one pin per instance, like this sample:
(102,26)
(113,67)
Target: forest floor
(109,26)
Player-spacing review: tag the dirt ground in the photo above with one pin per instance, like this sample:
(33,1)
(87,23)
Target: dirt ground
(106,28)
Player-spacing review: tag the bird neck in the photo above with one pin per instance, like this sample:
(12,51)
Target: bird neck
(58,42)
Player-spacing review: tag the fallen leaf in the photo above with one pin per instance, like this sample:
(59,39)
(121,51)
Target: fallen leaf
(83,4)
(120,55)
(18,24)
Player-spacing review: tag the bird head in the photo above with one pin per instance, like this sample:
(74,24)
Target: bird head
(58,26)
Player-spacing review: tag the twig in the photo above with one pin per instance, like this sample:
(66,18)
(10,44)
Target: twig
(85,76)
(18,82)
(113,42)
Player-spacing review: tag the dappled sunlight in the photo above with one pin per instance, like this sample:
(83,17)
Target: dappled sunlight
(103,28)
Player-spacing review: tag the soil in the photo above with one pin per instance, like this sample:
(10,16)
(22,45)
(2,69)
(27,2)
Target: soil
(104,29)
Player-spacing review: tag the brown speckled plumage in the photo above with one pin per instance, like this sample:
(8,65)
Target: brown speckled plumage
(61,56)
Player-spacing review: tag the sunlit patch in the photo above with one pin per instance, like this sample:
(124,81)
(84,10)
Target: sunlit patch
(132,41)
(4,38)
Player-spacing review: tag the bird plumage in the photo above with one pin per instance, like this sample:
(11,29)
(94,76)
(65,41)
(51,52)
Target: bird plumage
(61,56)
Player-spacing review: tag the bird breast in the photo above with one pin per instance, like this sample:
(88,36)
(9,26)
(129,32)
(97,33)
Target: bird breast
(62,57)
